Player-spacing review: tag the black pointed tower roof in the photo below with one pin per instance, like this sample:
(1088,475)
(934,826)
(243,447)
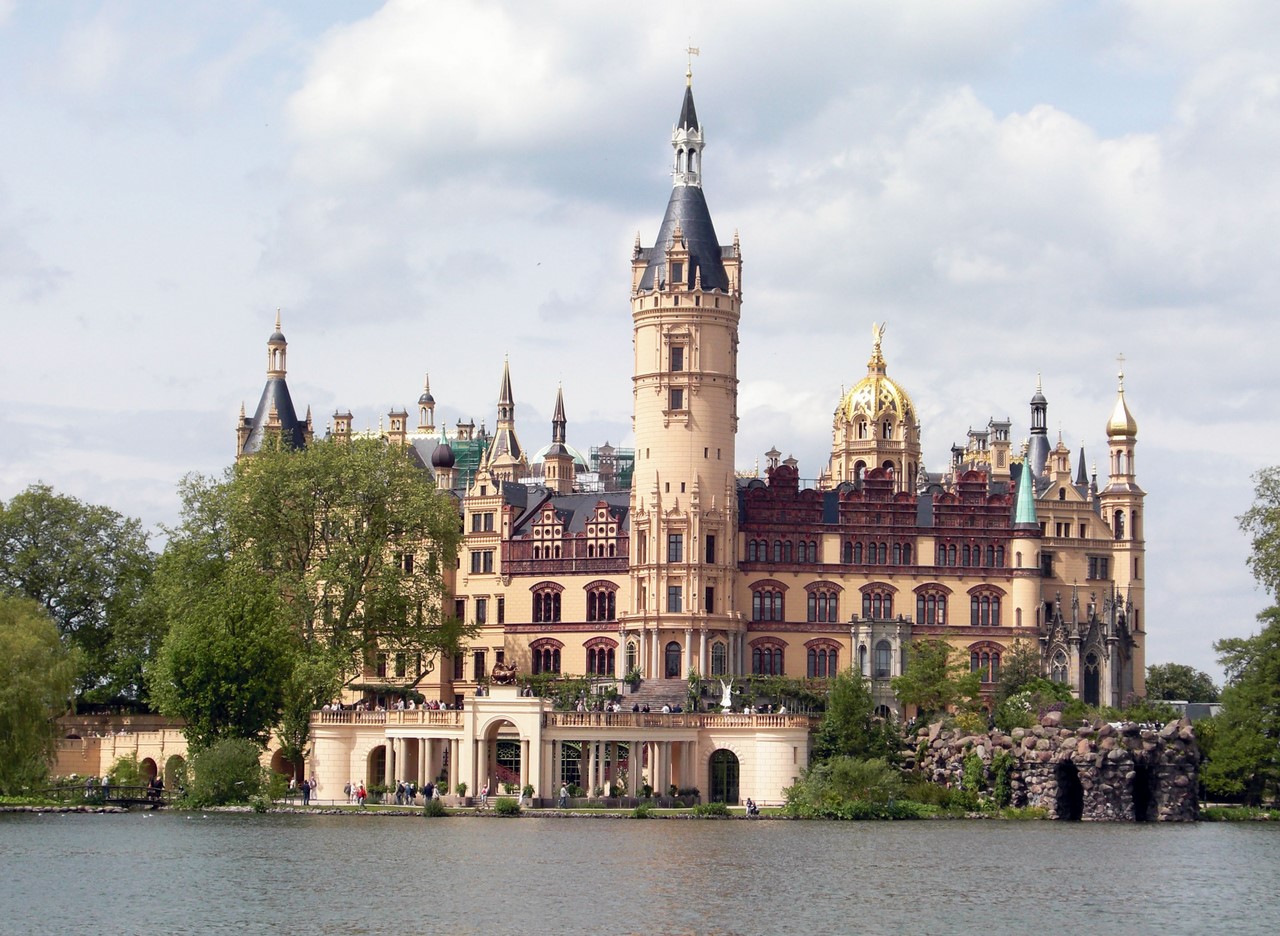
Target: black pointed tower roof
(687,211)
(275,397)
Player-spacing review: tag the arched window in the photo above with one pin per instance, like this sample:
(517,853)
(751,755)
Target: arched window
(884,660)
(931,606)
(823,659)
(999,563)
(546,603)
(984,659)
(951,555)
(823,604)
(600,656)
(766,657)
(847,552)
(545,655)
(984,608)
(857,553)
(1119,524)
(877,604)
(964,556)
(602,602)
(906,554)
(1058,670)
(766,602)
(719,659)
(633,656)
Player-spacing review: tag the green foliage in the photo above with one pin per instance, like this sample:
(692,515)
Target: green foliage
(971,722)
(277,785)
(1023,708)
(1262,523)
(935,681)
(460,789)
(1244,759)
(971,777)
(506,806)
(829,787)
(1177,681)
(228,655)
(1001,778)
(1238,814)
(849,727)
(711,810)
(227,771)
(1024,813)
(304,550)
(643,811)
(1019,667)
(434,809)
(126,771)
(89,568)
(37,676)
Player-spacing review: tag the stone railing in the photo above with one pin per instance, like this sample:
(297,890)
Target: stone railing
(672,720)
(444,718)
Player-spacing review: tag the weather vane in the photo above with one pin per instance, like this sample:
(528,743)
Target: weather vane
(692,50)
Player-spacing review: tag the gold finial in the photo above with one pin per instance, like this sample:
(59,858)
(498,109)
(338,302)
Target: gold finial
(1120,359)
(692,50)
(877,333)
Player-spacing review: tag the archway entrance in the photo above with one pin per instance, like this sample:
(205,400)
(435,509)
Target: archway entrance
(724,777)
(376,768)
(147,770)
(1143,801)
(1070,805)
(673,660)
(1092,688)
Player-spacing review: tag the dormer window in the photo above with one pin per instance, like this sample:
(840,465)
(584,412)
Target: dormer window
(677,272)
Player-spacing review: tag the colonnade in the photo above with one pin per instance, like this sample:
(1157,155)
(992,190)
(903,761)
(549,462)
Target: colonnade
(421,760)
(663,763)
(694,654)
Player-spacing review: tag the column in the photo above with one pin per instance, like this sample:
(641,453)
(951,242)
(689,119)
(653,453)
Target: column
(642,659)
(524,764)
(452,780)
(702,652)
(688,650)
(589,775)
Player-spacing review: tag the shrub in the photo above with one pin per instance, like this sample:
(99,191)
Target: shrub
(711,810)
(126,771)
(260,803)
(226,771)
(642,811)
(1002,784)
(828,788)
(972,723)
(433,809)
(527,790)
(460,789)
(277,785)
(506,806)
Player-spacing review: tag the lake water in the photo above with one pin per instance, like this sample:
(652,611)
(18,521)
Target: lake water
(167,873)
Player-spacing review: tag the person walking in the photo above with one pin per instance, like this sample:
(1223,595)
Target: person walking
(564,796)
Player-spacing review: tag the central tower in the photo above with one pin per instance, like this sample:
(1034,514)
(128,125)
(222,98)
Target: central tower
(686,294)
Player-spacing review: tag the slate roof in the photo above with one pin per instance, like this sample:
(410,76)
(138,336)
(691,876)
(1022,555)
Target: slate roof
(688,209)
(276,392)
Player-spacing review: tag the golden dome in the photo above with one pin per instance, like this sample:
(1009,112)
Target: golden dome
(1122,422)
(876,397)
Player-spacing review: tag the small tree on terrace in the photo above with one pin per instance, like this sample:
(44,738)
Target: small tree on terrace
(935,682)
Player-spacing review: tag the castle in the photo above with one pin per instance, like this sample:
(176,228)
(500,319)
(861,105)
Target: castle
(651,563)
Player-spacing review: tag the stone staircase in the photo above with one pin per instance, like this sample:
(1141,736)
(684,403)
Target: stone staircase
(657,693)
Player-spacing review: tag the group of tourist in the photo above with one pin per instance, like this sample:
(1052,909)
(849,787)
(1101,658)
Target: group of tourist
(306,788)
(400,705)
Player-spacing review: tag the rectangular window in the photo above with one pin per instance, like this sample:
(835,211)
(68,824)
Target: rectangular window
(677,398)
(677,273)
(488,523)
(476,522)
(1099,567)
(677,357)
(675,547)
(482,610)
(709,600)
(478,668)
(675,599)
(402,665)
(1046,564)
(457,666)
(482,561)
(460,609)
(502,610)
(711,549)
(380,667)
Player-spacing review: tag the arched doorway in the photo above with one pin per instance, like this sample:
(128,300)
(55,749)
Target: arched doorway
(147,770)
(1092,686)
(376,766)
(724,777)
(501,764)
(1070,804)
(672,660)
(285,767)
(175,772)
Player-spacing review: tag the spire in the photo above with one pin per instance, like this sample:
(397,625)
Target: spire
(1039,450)
(1122,422)
(1024,508)
(1082,479)
(506,401)
(558,421)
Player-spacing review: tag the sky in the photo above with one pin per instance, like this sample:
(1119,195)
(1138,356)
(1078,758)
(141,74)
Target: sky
(1020,189)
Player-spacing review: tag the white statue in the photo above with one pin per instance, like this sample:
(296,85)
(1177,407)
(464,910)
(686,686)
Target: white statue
(726,695)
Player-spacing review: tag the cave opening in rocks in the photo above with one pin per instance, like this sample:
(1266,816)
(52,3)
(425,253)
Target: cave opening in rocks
(1144,805)
(1070,792)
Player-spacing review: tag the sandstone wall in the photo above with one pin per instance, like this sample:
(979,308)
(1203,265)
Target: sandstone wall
(1101,772)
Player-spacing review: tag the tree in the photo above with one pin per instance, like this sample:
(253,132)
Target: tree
(933,682)
(89,567)
(350,539)
(1019,667)
(849,726)
(37,675)
(1245,757)
(1262,523)
(229,652)
(1181,682)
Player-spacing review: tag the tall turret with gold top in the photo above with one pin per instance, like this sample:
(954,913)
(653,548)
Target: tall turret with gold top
(686,294)
(875,426)
(1122,509)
